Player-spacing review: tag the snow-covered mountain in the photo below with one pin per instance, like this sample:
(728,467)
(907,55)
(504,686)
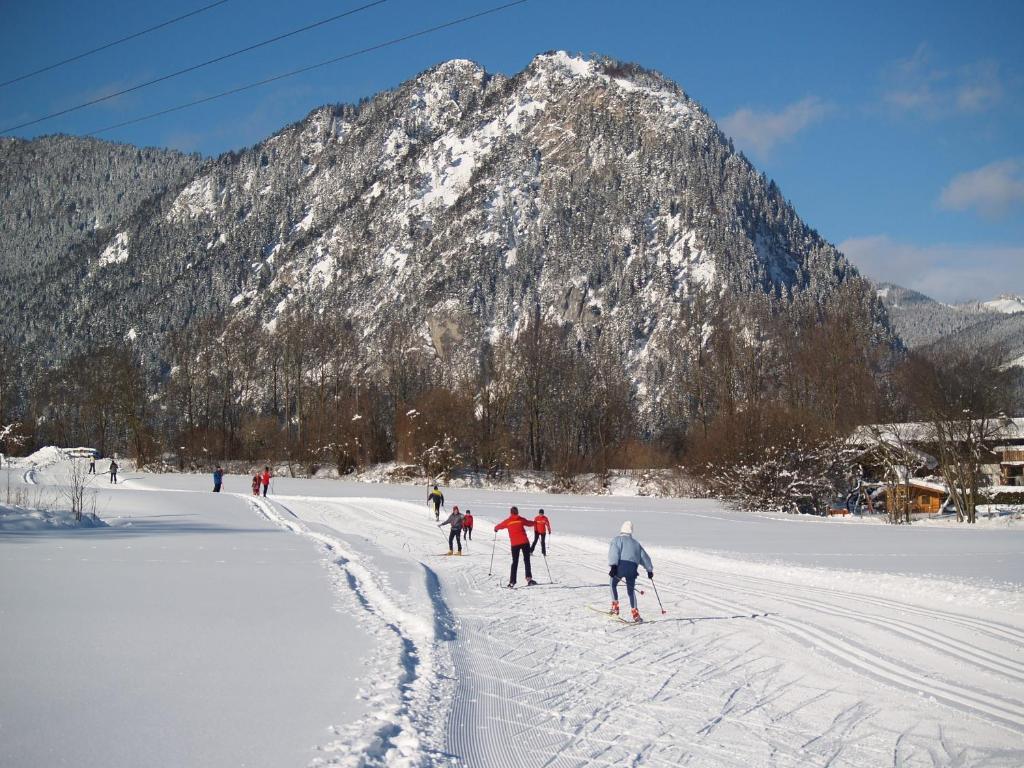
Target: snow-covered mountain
(921,321)
(459,205)
(59,191)
(1007,304)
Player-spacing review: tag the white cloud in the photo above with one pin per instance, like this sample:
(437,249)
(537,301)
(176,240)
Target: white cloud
(950,273)
(992,190)
(917,84)
(761,131)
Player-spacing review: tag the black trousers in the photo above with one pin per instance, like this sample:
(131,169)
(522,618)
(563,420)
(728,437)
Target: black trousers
(543,537)
(453,535)
(469,533)
(525,550)
(630,589)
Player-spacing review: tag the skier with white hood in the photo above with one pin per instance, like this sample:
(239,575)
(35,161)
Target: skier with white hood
(625,556)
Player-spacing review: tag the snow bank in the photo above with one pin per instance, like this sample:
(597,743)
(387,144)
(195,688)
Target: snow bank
(44,457)
(16,519)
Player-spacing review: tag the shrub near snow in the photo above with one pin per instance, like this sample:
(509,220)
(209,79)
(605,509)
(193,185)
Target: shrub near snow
(793,475)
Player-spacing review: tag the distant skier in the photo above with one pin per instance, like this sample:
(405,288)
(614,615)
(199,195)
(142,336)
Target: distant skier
(113,472)
(467,525)
(456,521)
(256,484)
(436,498)
(624,556)
(92,464)
(520,544)
(218,478)
(265,478)
(541,529)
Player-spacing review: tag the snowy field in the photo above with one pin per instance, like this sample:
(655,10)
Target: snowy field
(325,627)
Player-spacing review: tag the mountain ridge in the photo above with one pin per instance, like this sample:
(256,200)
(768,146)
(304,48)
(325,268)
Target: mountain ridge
(458,206)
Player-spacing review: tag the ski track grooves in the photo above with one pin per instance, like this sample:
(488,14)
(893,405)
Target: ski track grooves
(527,687)
(394,733)
(868,661)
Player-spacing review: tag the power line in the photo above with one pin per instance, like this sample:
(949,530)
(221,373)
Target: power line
(335,60)
(104,47)
(193,68)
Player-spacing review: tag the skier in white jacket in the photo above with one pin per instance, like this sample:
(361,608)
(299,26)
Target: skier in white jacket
(625,555)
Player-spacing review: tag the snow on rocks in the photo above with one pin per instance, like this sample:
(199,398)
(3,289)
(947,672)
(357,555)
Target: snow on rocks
(116,252)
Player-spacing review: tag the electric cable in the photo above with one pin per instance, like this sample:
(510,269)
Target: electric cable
(301,70)
(193,68)
(111,44)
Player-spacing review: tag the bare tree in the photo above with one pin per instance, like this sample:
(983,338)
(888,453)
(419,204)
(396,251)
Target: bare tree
(893,447)
(78,492)
(962,396)
(9,437)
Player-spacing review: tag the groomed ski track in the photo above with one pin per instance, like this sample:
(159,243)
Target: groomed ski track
(749,667)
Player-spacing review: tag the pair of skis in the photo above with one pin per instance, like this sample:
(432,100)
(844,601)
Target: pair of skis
(616,617)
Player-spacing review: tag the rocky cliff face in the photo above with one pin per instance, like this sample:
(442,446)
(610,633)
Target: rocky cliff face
(460,205)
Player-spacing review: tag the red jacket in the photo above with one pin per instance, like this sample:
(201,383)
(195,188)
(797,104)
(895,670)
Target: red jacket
(542,524)
(467,521)
(516,530)
(265,477)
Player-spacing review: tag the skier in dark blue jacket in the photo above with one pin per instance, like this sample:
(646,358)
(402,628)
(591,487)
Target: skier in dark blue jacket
(625,556)
(218,479)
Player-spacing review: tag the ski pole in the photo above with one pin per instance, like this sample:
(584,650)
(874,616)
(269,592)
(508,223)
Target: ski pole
(655,587)
(493,545)
(548,567)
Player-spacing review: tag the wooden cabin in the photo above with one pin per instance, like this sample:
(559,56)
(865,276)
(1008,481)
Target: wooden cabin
(926,497)
(1011,464)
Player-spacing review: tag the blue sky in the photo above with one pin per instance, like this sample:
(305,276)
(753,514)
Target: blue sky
(896,129)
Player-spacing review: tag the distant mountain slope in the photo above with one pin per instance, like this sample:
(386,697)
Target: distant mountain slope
(920,320)
(459,205)
(59,190)
(923,322)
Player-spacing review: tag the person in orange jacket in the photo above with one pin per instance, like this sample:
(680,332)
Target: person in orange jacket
(541,529)
(520,542)
(467,525)
(265,478)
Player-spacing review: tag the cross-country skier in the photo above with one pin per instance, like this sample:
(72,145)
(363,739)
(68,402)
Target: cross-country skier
(467,525)
(541,529)
(113,472)
(625,555)
(437,498)
(92,464)
(265,478)
(520,544)
(455,520)
(218,478)
(256,484)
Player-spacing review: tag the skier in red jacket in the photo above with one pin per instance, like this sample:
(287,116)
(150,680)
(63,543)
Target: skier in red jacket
(467,525)
(520,544)
(541,529)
